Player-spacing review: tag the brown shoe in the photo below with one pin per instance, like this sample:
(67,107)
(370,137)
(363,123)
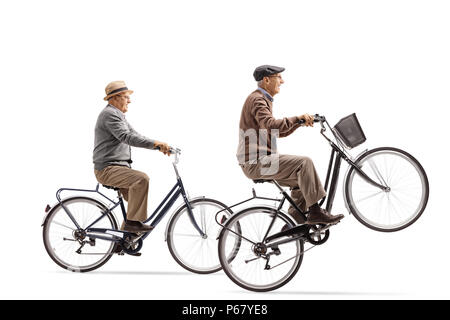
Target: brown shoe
(323,217)
(136,226)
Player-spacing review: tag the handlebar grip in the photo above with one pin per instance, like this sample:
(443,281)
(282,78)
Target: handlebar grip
(317,118)
(172,150)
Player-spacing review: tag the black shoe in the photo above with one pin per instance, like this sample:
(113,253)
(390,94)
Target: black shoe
(136,226)
(118,249)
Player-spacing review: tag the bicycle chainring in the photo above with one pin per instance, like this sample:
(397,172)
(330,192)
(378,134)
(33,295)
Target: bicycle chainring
(130,246)
(317,234)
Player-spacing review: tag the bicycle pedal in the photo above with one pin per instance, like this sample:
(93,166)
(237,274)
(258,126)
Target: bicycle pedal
(91,242)
(276,251)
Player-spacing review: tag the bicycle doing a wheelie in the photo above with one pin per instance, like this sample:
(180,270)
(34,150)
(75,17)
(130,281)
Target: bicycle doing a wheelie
(386,189)
(81,233)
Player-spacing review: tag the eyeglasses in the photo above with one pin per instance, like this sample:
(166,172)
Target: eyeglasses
(275,76)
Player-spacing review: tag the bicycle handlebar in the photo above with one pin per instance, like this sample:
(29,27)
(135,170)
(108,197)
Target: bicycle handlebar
(317,118)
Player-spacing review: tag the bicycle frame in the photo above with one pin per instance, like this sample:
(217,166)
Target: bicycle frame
(159,213)
(331,182)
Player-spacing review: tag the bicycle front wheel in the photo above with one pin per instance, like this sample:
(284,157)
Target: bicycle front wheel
(70,247)
(398,207)
(257,265)
(192,251)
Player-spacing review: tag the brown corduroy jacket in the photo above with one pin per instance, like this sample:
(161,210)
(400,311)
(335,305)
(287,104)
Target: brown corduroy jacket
(258,128)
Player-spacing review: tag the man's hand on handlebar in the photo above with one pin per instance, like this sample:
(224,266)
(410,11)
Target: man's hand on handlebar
(306,119)
(163,147)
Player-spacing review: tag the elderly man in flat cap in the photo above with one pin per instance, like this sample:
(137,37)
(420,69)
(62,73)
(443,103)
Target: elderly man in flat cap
(114,137)
(257,152)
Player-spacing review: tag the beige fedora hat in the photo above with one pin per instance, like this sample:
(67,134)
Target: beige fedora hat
(114,88)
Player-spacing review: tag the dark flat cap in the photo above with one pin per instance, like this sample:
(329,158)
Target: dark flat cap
(266,70)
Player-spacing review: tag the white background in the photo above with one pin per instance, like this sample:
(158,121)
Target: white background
(190,64)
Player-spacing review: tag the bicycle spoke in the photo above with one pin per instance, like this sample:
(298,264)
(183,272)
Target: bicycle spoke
(369,197)
(202,218)
(187,235)
(63,225)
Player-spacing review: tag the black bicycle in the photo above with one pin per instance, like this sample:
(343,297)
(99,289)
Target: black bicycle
(386,189)
(81,233)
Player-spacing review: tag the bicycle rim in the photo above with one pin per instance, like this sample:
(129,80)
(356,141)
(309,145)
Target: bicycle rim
(391,210)
(248,269)
(61,240)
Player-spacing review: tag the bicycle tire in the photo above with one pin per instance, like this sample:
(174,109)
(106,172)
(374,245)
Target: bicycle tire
(183,239)
(413,170)
(50,247)
(227,264)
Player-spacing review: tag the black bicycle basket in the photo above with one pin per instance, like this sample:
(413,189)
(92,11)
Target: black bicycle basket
(349,131)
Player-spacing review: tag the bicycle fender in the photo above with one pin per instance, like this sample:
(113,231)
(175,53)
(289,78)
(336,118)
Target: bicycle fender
(175,211)
(344,182)
(48,212)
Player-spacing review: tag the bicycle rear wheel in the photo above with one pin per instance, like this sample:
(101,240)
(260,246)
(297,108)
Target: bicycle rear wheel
(70,247)
(391,210)
(192,251)
(250,267)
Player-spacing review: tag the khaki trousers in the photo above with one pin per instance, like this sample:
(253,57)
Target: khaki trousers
(296,172)
(133,186)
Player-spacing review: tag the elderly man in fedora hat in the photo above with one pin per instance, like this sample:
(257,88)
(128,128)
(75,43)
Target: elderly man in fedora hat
(114,137)
(259,158)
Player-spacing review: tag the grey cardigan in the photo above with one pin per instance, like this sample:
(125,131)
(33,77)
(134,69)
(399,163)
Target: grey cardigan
(114,137)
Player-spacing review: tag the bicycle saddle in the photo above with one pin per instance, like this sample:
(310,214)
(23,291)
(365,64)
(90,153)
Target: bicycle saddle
(262,180)
(110,187)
